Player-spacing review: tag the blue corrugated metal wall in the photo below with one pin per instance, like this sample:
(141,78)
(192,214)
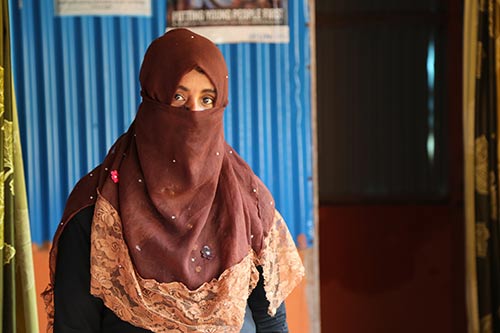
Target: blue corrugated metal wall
(77,88)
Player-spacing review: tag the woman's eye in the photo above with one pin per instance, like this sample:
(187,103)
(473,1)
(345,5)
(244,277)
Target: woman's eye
(178,97)
(208,100)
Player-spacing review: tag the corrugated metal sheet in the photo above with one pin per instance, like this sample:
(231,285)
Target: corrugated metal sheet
(77,88)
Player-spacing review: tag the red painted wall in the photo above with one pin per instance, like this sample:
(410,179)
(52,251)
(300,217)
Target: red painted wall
(391,269)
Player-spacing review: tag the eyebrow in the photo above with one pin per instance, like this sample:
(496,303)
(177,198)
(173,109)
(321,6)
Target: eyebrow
(204,90)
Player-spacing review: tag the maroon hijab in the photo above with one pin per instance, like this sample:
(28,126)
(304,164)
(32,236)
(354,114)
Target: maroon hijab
(189,205)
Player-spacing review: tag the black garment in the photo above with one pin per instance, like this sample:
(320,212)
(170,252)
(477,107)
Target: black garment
(76,310)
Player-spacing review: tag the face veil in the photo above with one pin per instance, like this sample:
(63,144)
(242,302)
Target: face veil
(196,192)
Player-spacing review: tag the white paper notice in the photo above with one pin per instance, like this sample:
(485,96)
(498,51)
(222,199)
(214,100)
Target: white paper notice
(232,21)
(103,7)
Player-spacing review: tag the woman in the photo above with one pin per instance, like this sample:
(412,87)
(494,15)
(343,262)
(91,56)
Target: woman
(173,232)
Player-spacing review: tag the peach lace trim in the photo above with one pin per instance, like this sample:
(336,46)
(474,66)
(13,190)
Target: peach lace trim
(281,264)
(216,306)
(48,300)
(163,307)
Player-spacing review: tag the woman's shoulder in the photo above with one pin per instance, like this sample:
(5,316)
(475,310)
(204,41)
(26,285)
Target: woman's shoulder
(84,217)
(80,224)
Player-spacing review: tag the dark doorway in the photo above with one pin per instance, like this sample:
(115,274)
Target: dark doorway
(390,166)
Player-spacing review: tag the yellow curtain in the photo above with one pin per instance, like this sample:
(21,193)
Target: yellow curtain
(481,104)
(469,83)
(17,292)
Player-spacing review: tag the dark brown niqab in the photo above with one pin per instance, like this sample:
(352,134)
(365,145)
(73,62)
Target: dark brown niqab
(189,205)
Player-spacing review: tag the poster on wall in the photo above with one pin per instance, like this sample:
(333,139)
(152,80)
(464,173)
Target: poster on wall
(102,7)
(232,21)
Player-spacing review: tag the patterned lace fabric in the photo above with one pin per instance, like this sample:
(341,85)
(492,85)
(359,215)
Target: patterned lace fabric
(216,306)
(281,264)
(48,300)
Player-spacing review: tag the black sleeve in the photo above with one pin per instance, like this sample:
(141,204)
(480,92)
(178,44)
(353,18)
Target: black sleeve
(76,310)
(258,304)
